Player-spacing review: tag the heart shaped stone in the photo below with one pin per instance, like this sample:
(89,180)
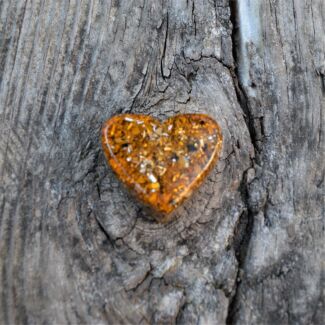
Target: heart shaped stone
(162,163)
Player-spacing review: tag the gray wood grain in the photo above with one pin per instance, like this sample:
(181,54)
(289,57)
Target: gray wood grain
(76,248)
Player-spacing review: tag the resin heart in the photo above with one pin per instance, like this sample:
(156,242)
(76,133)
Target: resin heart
(162,163)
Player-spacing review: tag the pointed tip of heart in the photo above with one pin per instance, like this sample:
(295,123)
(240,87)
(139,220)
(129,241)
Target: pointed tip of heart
(162,162)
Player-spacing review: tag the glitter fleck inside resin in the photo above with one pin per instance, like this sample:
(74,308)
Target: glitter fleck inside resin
(162,162)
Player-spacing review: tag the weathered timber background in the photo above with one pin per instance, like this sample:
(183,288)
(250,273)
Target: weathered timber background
(248,248)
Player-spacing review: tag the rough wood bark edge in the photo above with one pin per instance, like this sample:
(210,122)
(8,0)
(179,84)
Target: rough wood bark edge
(283,283)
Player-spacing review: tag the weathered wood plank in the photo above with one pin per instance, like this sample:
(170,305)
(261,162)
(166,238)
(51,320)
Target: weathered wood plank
(75,247)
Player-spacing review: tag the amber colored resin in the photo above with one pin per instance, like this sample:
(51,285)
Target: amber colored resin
(163,163)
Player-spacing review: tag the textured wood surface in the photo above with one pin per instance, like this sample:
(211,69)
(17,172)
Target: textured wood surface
(247,248)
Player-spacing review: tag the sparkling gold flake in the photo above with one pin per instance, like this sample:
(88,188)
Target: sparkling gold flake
(163,163)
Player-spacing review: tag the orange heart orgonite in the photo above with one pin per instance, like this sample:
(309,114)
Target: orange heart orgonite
(162,162)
